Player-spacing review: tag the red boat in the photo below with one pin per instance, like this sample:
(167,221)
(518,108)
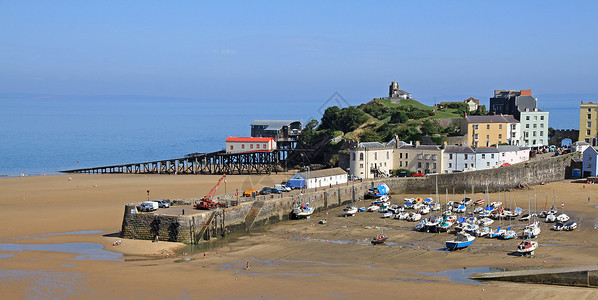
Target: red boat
(379,239)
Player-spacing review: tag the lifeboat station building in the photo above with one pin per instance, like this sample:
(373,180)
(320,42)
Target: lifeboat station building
(318,178)
(249,144)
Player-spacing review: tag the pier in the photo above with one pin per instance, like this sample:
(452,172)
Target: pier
(203,163)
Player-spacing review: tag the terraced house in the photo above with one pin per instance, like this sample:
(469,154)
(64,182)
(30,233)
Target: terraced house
(419,158)
(486,131)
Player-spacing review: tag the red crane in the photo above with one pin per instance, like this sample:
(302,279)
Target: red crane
(206,202)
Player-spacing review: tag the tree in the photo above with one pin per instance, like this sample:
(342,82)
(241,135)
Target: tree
(369,135)
(308,133)
(398,116)
(551,132)
(429,127)
(330,118)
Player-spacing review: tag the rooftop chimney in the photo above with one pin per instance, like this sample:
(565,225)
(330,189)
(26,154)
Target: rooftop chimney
(526,92)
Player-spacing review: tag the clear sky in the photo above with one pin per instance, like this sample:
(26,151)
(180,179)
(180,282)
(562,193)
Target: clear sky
(298,50)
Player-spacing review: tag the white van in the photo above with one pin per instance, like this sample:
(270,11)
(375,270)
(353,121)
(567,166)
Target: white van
(148,206)
(282,188)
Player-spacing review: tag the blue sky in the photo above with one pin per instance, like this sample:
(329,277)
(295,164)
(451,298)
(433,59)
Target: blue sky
(299,51)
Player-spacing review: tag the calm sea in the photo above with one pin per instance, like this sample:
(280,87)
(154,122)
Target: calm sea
(48,134)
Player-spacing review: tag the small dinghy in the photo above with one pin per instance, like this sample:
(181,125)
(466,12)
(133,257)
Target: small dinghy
(482,231)
(527,247)
(387,215)
(562,218)
(550,218)
(379,239)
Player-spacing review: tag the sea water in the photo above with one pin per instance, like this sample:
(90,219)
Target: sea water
(48,134)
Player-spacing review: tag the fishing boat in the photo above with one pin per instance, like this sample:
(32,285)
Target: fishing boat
(379,239)
(462,240)
(303,211)
(527,247)
(349,211)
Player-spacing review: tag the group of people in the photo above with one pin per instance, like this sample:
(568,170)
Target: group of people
(117,243)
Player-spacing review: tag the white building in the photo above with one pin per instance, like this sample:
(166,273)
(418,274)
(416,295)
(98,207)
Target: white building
(249,144)
(369,160)
(534,128)
(319,178)
(580,146)
(494,157)
(458,159)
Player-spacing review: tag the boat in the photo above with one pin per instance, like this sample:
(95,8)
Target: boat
(402,215)
(484,222)
(373,208)
(460,209)
(527,247)
(379,239)
(532,230)
(387,215)
(424,210)
(444,226)
(470,228)
(408,205)
(362,209)
(413,217)
(435,206)
(378,191)
(496,203)
(562,218)
(497,233)
(421,226)
(323,221)
(550,218)
(482,231)
(570,226)
(418,205)
(509,234)
(349,211)
(303,211)
(432,224)
(462,240)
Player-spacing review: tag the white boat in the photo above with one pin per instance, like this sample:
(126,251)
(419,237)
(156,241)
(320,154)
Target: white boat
(414,217)
(470,228)
(496,233)
(562,218)
(402,215)
(532,230)
(435,206)
(484,222)
(418,206)
(482,231)
(424,210)
(387,215)
(527,247)
(373,208)
(496,203)
(509,234)
(349,211)
(461,241)
(550,218)
(303,211)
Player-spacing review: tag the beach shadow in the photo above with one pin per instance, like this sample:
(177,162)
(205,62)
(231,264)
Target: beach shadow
(115,234)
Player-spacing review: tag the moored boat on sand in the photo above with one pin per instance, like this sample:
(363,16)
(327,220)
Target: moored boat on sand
(462,240)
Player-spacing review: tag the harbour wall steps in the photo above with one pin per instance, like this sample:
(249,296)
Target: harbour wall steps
(582,276)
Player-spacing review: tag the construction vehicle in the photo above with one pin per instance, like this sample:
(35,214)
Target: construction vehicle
(206,202)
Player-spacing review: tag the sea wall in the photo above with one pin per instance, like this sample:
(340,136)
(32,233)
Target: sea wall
(272,209)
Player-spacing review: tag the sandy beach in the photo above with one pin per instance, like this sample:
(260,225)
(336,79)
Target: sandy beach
(59,232)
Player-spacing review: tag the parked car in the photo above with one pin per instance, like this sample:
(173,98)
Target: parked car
(162,203)
(354,178)
(266,190)
(403,174)
(418,174)
(505,165)
(275,191)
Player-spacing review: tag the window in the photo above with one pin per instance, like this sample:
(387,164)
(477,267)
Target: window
(589,116)
(433,165)
(419,164)
(526,125)
(385,164)
(475,126)
(588,132)
(427,165)
(232,147)
(541,125)
(487,138)
(434,157)
(534,133)
(361,156)
(475,136)
(427,156)
(487,164)
(242,146)
(534,142)
(541,118)
(450,165)
(541,133)
(420,156)
(513,127)
(251,146)
(401,155)
(503,154)
(361,166)
(375,155)
(483,156)
(400,164)
(492,155)
(535,118)
(589,110)
(387,155)
(589,124)
(499,136)
(487,126)
(353,156)
(406,155)
(527,118)
(499,126)
(513,134)
(450,156)
(535,125)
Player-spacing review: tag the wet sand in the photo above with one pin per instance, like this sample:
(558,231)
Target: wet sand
(299,259)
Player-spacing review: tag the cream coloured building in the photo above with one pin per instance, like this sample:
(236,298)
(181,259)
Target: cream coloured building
(369,160)
(588,123)
(486,131)
(419,158)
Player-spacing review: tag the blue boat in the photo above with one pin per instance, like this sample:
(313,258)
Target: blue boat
(462,240)
(362,209)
